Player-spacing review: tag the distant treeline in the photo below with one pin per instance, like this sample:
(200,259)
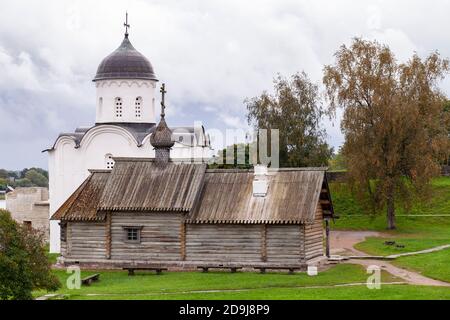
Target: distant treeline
(32,177)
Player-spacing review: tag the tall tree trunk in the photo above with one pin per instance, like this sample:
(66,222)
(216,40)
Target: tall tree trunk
(390,207)
(371,197)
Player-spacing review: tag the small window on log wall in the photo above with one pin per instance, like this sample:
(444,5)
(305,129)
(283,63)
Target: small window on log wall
(132,234)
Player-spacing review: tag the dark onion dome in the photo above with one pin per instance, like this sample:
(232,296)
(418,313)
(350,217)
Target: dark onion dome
(161,138)
(125,63)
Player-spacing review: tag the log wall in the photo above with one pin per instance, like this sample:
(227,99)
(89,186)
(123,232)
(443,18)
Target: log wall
(160,237)
(285,243)
(165,237)
(85,240)
(314,236)
(223,243)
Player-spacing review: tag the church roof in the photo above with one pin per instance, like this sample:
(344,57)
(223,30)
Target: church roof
(139,131)
(82,204)
(125,63)
(205,196)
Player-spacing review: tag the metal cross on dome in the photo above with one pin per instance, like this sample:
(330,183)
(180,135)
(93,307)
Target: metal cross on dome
(126,24)
(163,94)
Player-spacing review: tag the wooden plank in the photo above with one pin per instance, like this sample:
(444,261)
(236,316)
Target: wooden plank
(183,240)
(86,240)
(264,243)
(69,239)
(284,243)
(223,243)
(302,243)
(108,235)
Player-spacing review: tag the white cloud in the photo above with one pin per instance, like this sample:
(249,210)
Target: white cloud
(212,54)
(233,122)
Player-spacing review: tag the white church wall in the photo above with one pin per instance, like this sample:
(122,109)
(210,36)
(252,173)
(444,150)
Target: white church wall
(108,92)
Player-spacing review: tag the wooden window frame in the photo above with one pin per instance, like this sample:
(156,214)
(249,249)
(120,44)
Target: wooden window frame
(126,230)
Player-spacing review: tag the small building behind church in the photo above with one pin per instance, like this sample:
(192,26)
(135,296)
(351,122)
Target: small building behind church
(30,206)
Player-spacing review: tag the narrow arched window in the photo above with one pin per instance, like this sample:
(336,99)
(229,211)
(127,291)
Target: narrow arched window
(138,107)
(118,102)
(100,106)
(109,161)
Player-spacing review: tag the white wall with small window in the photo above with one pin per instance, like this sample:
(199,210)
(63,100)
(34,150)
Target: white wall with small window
(118,105)
(125,101)
(138,107)
(109,161)
(100,107)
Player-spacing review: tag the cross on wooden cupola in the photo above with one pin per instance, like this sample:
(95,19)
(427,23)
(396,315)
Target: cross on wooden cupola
(161,138)
(163,103)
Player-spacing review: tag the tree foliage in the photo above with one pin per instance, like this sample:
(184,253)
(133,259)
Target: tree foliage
(296,111)
(32,177)
(337,161)
(23,261)
(447,114)
(394,121)
(36,178)
(236,156)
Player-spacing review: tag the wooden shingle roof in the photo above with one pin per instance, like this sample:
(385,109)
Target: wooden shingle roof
(206,196)
(142,185)
(82,204)
(227,197)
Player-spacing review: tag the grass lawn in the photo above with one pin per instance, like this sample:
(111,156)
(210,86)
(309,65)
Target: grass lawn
(387,292)
(52,257)
(244,285)
(434,265)
(413,232)
(142,282)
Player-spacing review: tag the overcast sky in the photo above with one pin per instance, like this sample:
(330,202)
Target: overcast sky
(211,55)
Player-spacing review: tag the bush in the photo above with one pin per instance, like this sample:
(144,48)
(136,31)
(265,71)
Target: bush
(23,261)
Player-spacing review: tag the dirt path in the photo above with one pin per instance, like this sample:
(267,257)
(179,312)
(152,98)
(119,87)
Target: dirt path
(408,276)
(342,243)
(420,252)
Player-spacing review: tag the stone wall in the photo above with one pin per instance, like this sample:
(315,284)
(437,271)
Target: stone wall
(30,205)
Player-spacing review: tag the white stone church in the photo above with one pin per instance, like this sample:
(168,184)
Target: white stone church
(126,99)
